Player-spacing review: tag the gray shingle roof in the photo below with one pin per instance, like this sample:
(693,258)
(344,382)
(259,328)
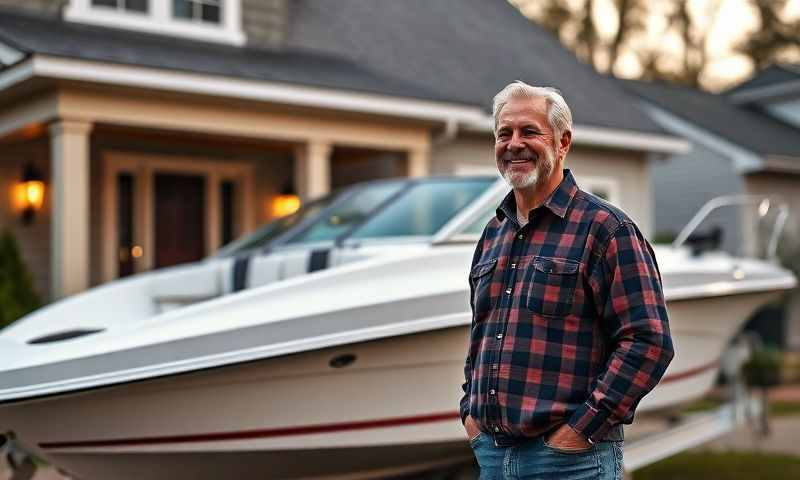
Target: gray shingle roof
(741,125)
(36,34)
(772,75)
(467,49)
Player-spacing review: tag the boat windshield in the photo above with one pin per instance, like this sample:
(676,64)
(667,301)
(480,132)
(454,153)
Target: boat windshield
(389,208)
(476,227)
(423,209)
(261,237)
(350,212)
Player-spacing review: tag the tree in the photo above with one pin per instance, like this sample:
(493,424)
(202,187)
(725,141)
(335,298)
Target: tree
(688,23)
(775,37)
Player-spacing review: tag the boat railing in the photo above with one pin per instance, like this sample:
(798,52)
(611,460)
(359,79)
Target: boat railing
(764,204)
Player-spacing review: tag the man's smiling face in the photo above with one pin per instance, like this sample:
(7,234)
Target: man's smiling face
(524,142)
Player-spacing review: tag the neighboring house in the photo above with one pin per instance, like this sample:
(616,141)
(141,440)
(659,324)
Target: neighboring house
(163,129)
(744,141)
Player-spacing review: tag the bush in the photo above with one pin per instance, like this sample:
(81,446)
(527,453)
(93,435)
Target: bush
(763,369)
(17,296)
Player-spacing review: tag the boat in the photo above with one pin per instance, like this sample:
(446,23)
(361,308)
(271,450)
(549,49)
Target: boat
(327,344)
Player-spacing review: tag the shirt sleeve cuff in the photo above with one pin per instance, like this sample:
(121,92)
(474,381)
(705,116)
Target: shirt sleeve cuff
(590,423)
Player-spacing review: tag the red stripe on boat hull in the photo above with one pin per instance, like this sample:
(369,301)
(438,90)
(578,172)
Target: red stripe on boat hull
(308,430)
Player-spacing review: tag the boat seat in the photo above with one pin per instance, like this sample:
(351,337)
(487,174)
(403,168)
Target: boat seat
(184,285)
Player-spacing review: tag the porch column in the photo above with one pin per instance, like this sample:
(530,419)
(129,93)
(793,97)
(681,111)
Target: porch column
(419,162)
(312,163)
(69,249)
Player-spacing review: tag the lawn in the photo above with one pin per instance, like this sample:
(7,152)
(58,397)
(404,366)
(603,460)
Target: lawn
(776,409)
(722,466)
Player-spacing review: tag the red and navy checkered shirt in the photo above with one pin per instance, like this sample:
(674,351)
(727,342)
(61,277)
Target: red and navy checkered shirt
(569,323)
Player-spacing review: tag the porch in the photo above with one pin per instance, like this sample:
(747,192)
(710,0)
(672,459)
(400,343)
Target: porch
(136,180)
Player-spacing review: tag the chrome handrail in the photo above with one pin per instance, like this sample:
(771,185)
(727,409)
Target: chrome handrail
(764,204)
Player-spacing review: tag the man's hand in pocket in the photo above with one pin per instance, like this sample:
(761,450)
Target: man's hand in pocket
(472,427)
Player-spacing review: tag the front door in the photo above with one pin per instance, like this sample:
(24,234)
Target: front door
(179,219)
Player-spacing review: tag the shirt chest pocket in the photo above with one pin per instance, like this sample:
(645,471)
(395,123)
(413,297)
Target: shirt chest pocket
(481,279)
(550,285)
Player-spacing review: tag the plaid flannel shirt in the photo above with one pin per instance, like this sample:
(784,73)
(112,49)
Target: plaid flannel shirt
(569,323)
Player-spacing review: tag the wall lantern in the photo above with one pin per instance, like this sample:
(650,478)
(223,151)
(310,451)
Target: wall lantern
(286,203)
(29,193)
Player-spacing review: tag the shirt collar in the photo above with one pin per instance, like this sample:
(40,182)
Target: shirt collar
(557,202)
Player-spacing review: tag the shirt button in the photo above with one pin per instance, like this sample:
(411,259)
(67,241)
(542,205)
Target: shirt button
(496,429)
(508,291)
(494,367)
(520,236)
(513,266)
(492,392)
(499,335)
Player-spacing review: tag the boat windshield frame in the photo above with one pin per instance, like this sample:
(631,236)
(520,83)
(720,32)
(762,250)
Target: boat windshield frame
(283,241)
(451,231)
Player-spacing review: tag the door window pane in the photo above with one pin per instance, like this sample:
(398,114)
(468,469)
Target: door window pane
(125,189)
(226,198)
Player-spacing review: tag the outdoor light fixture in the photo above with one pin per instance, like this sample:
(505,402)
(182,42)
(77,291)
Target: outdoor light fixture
(29,193)
(286,203)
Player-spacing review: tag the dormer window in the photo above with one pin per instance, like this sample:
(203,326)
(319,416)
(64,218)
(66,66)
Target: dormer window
(124,5)
(207,20)
(197,10)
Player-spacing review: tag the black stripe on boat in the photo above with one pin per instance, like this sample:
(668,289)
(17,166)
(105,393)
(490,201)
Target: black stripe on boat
(240,266)
(318,260)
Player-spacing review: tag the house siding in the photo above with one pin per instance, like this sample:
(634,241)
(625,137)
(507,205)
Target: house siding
(785,186)
(264,22)
(47,7)
(679,195)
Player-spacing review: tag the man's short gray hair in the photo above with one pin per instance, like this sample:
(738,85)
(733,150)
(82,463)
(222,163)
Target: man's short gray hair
(558,113)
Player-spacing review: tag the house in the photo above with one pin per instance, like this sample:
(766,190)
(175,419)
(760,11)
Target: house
(744,141)
(160,131)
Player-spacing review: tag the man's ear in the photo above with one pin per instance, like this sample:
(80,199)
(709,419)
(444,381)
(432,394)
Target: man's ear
(564,143)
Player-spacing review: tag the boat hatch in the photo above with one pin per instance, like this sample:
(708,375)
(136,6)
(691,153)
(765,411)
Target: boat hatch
(65,335)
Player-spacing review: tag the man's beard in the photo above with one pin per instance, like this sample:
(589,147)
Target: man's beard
(541,173)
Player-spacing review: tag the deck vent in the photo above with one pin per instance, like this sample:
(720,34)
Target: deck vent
(65,335)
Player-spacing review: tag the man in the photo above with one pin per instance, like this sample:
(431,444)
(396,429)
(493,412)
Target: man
(569,327)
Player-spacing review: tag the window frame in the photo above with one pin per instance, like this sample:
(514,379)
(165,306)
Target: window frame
(159,19)
(612,185)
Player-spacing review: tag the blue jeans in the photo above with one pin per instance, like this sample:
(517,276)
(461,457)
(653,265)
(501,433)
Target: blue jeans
(535,459)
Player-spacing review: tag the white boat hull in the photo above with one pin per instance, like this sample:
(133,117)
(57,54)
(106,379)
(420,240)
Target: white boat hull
(393,410)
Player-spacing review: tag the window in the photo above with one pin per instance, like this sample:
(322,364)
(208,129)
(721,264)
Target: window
(125,213)
(605,188)
(197,10)
(124,5)
(206,20)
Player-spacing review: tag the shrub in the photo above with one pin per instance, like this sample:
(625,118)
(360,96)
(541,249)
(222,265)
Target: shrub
(17,296)
(763,369)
